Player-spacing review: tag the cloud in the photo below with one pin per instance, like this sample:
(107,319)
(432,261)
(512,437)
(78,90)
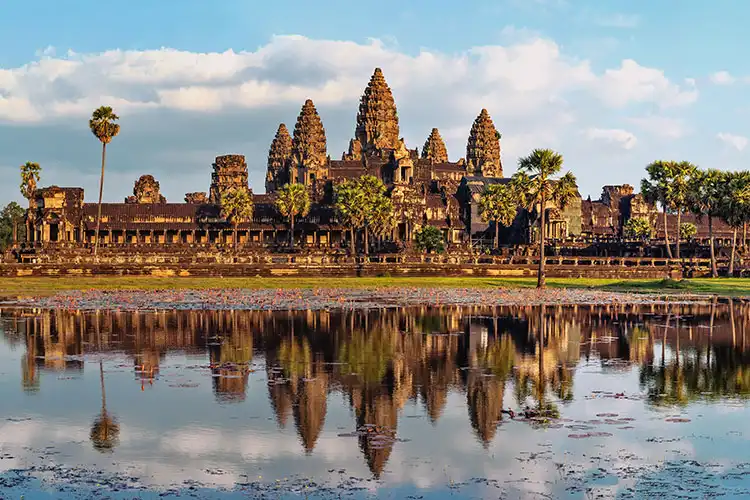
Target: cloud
(722,78)
(738,142)
(661,126)
(623,138)
(635,83)
(179,108)
(619,20)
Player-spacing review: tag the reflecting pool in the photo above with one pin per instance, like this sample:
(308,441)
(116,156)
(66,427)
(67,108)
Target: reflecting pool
(422,402)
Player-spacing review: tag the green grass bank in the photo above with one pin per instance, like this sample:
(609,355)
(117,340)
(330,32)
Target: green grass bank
(13,287)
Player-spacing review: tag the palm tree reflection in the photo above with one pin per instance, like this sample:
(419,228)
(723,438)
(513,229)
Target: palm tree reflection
(105,431)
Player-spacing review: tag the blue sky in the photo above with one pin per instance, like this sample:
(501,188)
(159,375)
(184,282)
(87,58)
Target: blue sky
(552,60)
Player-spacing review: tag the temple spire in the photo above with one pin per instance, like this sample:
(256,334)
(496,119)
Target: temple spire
(377,120)
(434,148)
(278,157)
(483,148)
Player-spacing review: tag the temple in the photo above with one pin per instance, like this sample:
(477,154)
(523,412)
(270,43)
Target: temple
(426,188)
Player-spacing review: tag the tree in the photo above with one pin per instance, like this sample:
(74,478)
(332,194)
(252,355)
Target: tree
(382,217)
(654,190)
(429,239)
(293,201)
(735,206)
(637,228)
(236,207)
(102,125)
(538,186)
(10,217)
(688,230)
(373,195)
(29,179)
(105,430)
(705,193)
(679,190)
(499,204)
(349,203)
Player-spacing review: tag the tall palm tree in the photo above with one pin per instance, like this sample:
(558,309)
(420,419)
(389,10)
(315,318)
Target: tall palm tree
(105,431)
(103,126)
(536,180)
(655,190)
(735,207)
(292,201)
(705,193)
(373,196)
(679,189)
(236,207)
(350,206)
(499,204)
(29,179)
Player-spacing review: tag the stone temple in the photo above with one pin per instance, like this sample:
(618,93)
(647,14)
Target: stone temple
(425,186)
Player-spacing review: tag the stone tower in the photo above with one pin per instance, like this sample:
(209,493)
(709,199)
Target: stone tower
(434,148)
(278,160)
(309,158)
(483,148)
(146,190)
(377,120)
(230,172)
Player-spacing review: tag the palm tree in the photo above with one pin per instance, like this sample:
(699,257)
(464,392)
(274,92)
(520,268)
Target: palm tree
(29,178)
(236,207)
(105,430)
(373,196)
(292,201)
(103,127)
(655,189)
(350,203)
(735,207)
(678,192)
(499,204)
(536,180)
(705,193)
(382,217)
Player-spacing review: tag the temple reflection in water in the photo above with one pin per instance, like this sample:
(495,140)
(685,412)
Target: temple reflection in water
(379,360)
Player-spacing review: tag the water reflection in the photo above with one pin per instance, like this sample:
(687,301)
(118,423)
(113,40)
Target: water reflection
(506,362)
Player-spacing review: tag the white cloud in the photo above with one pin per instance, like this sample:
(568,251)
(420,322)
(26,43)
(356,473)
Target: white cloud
(737,142)
(619,20)
(722,78)
(635,83)
(662,126)
(623,138)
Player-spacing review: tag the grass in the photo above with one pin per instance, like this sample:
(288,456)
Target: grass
(47,286)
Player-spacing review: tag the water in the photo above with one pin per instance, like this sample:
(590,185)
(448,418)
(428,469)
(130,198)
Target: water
(624,401)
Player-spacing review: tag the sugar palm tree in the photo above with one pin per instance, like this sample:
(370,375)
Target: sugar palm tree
(499,204)
(105,431)
(293,201)
(103,126)
(679,189)
(373,196)
(237,206)
(350,206)
(382,217)
(735,207)
(537,184)
(29,179)
(705,194)
(655,190)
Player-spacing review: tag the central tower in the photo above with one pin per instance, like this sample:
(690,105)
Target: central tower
(377,119)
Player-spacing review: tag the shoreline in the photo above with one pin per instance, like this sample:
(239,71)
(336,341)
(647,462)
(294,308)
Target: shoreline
(318,299)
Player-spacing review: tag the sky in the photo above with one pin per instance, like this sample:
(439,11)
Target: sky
(610,85)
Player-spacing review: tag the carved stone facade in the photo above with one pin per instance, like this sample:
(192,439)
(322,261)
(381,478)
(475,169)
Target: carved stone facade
(309,153)
(230,172)
(279,155)
(377,121)
(434,148)
(483,148)
(146,190)
(196,198)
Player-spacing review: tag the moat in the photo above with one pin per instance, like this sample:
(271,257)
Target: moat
(578,401)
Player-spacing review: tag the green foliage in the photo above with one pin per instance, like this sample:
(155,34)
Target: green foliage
(29,178)
(637,228)
(499,203)
(363,202)
(349,203)
(429,239)
(10,216)
(293,200)
(670,183)
(102,124)
(237,206)
(734,207)
(535,179)
(705,192)
(688,230)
